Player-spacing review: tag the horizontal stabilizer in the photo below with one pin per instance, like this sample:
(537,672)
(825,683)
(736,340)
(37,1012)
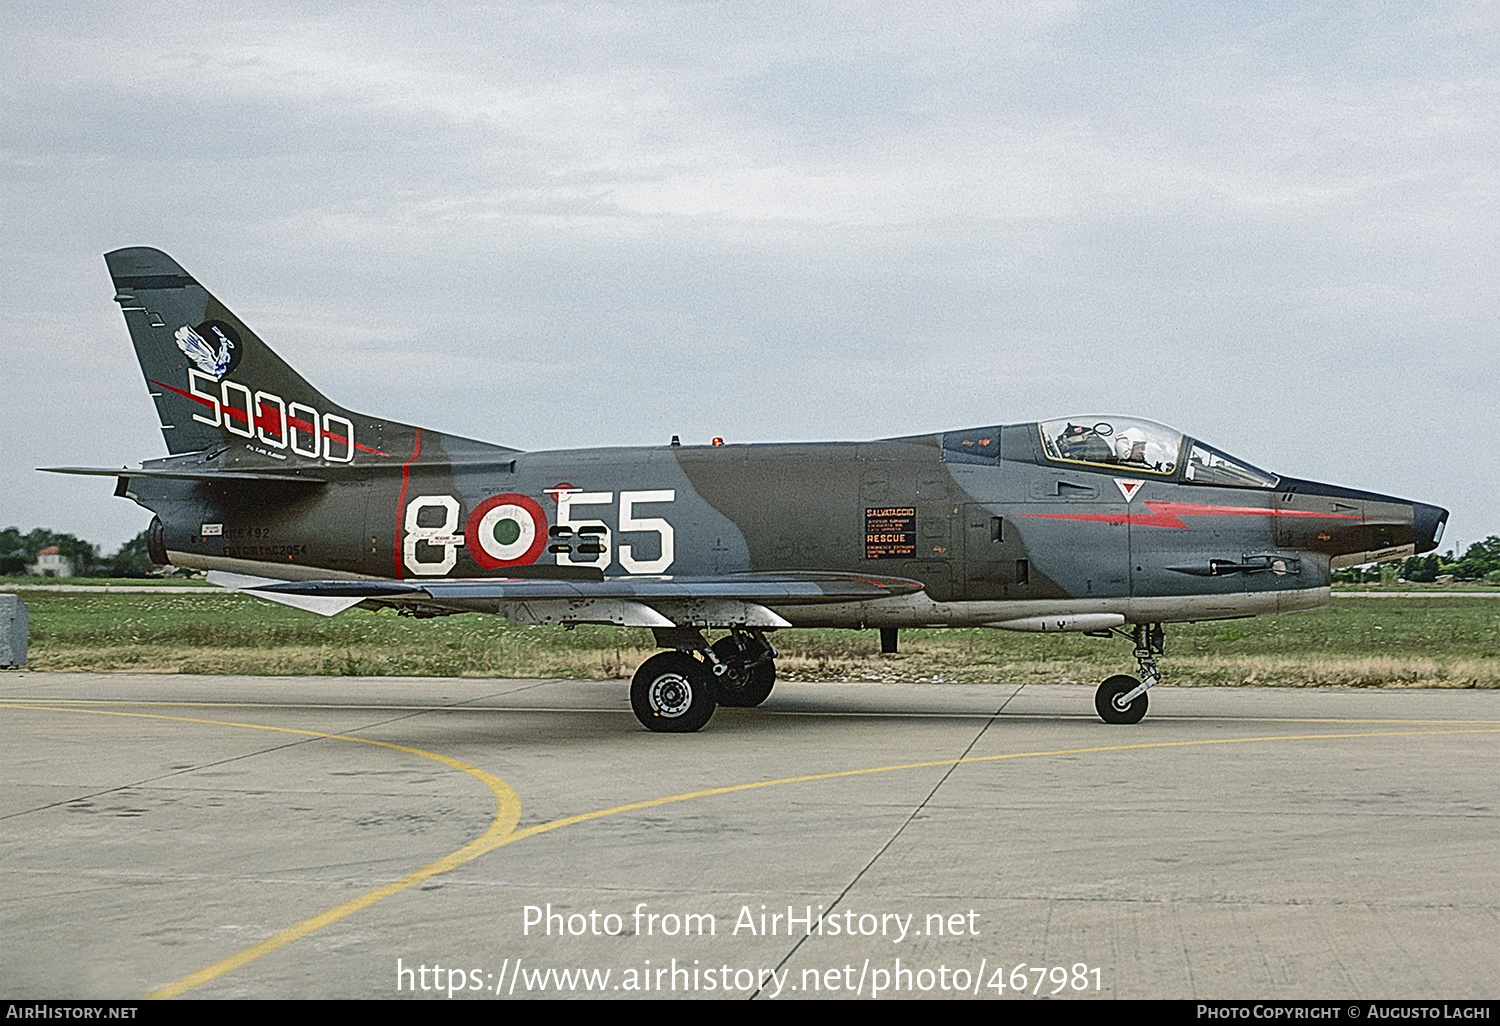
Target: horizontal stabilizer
(189,474)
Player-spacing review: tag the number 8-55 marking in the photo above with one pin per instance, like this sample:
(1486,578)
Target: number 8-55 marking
(511,530)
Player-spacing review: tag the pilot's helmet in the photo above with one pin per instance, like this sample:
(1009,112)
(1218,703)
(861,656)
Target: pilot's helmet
(1130,445)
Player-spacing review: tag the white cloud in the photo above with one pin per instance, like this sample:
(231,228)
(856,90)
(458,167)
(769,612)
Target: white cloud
(1024,209)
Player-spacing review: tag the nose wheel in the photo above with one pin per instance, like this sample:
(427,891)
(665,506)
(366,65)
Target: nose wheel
(1113,704)
(1122,698)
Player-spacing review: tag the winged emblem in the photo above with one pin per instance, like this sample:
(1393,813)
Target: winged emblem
(201,352)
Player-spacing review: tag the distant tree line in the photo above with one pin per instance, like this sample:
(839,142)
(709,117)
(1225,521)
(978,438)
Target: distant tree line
(18,550)
(1480,562)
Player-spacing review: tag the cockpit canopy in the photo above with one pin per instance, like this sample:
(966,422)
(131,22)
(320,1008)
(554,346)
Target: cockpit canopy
(1116,443)
(1145,447)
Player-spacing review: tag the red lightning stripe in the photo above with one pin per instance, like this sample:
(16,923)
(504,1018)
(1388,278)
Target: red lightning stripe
(1169,514)
(265,420)
(416,450)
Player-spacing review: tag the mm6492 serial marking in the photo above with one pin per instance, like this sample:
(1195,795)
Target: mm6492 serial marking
(1101,524)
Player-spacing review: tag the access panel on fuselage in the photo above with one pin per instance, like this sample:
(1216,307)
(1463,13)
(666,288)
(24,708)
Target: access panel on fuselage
(911,510)
(995,564)
(1073,526)
(797,507)
(1179,532)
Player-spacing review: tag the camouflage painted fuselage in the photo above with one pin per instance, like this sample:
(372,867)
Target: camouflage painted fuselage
(992,539)
(1004,525)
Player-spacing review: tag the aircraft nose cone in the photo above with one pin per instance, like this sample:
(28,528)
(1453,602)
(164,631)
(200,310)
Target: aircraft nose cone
(1427,524)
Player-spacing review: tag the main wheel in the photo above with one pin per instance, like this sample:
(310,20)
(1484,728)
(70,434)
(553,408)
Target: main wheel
(749,680)
(672,693)
(1106,700)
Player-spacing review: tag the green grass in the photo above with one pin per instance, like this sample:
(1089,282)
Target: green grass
(27,582)
(1384,642)
(232,634)
(1412,586)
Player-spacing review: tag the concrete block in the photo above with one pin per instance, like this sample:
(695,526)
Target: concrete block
(12,631)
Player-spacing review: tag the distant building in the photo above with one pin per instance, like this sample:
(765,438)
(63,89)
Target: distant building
(50,562)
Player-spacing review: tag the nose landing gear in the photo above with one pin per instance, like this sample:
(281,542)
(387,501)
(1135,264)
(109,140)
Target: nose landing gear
(1122,698)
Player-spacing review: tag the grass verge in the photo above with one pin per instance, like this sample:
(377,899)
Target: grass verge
(1390,643)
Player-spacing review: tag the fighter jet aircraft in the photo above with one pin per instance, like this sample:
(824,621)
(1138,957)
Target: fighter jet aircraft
(1101,524)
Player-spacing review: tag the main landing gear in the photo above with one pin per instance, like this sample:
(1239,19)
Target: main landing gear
(1122,698)
(676,692)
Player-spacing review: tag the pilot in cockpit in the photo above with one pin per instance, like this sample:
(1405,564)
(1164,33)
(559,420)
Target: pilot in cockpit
(1142,445)
(1130,447)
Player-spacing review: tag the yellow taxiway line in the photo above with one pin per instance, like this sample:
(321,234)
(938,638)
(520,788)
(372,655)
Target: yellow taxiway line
(502,829)
(507,815)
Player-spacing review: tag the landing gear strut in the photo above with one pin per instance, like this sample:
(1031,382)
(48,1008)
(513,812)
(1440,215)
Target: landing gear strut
(676,692)
(748,669)
(1122,698)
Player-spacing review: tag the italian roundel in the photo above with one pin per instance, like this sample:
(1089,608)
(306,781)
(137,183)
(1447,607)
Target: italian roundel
(506,530)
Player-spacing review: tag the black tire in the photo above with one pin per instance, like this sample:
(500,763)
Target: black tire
(672,693)
(743,685)
(1114,687)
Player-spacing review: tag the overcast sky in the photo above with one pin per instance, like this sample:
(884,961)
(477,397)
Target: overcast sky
(1273,226)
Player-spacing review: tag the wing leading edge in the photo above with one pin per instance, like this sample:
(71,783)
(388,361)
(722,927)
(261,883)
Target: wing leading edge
(728,600)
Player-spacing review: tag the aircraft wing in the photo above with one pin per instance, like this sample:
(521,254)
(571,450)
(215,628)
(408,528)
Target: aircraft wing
(637,601)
